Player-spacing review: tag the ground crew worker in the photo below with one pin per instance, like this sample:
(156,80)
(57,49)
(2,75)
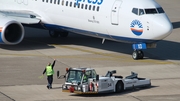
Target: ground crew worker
(85,79)
(49,72)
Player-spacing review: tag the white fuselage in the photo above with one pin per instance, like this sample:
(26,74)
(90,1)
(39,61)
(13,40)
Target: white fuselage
(107,19)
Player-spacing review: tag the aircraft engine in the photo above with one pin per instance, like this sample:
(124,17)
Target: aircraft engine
(11,32)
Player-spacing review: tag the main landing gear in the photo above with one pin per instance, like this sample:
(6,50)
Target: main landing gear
(137,54)
(55,34)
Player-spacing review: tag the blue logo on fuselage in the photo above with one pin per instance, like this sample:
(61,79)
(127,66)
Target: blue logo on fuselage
(99,2)
(136,27)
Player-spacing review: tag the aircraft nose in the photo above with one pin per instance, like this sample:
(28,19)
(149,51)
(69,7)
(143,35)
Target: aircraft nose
(162,27)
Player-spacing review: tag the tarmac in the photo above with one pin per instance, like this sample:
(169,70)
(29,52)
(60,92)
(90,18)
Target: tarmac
(22,64)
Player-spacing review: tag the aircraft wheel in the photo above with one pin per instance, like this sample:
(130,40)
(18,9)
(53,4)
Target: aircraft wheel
(140,54)
(53,34)
(119,87)
(135,55)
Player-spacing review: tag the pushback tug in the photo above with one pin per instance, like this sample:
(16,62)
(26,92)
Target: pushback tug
(86,81)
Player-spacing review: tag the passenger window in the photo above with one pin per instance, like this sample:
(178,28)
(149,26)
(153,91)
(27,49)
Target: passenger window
(89,7)
(66,3)
(141,11)
(86,6)
(93,8)
(47,1)
(135,11)
(50,1)
(54,1)
(70,4)
(58,2)
(74,4)
(98,8)
(82,6)
(62,2)
(78,5)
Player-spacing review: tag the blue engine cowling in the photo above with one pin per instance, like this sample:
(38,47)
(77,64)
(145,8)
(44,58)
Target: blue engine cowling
(11,32)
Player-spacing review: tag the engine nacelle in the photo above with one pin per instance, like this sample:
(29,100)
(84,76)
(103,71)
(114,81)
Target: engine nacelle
(11,32)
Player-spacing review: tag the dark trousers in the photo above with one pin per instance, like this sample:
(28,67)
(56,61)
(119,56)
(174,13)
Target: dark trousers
(50,80)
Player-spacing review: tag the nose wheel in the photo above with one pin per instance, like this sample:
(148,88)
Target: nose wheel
(137,54)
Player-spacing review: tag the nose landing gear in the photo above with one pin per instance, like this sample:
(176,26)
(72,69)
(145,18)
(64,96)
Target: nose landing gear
(137,54)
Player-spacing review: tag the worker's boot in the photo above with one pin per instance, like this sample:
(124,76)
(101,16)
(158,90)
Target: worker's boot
(50,87)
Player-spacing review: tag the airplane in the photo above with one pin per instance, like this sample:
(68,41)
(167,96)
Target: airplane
(141,23)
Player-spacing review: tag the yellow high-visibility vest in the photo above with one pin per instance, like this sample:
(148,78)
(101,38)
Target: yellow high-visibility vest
(49,70)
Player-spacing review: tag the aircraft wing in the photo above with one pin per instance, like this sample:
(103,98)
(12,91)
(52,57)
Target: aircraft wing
(22,16)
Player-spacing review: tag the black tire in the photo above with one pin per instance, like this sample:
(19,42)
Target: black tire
(140,54)
(135,55)
(119,87)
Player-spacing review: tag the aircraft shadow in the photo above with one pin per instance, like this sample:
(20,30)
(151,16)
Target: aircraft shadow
(166,50)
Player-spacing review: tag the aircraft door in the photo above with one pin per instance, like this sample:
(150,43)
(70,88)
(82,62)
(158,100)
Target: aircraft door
(115,11)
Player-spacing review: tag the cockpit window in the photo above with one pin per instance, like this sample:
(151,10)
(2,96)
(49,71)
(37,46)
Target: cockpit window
(151,11)
(160,10)
(135,11)
(141,11)
(138,11)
